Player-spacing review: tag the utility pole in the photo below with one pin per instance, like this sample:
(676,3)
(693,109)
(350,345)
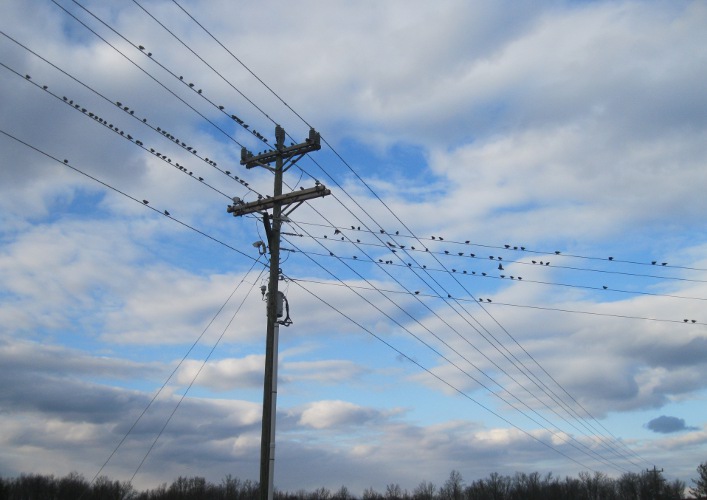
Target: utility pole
(657,481)
(284,158)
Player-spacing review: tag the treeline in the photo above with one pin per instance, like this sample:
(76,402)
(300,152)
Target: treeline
(648,485)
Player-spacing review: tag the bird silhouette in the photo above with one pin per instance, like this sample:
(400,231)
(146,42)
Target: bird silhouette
(145,202)
(166,212)
(500,267)
(611,258)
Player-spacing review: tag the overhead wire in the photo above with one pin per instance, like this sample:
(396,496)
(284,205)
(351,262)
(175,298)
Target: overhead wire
(198,372)
(446,344)
(350,168)
(379,199)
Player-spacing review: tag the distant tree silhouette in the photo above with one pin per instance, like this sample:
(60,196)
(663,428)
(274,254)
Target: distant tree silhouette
(700,484)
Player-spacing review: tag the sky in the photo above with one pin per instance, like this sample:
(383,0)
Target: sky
(510,273)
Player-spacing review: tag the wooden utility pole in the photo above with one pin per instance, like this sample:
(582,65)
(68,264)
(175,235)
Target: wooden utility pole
(284,158)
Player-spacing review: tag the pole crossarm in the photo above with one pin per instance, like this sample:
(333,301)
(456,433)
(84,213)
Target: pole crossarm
(284,199)
(312,143)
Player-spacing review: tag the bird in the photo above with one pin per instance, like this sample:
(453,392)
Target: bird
(534,262)
(28,77)
(547,263)
(433,237)
(488,300)
(467,242)
(472,255)
(166,212)
(520,278)
(685,320)
(484,274)
(507,246)
(694,321)
(145,202)
(446,252)
(461,253)
(663,263)
(654,262)
(605,287)
(441,239)
(522,248)
(491,257)
(141,47)
(500,267)
(66,161)
(611,258)
(417,292)
(557,252)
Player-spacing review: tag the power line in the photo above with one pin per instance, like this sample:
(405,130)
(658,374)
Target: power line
(497,303)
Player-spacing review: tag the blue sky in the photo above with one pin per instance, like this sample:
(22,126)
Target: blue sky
(523,128)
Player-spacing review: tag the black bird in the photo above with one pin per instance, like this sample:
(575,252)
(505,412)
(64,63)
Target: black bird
(472,255)
(461,253)
(500,258)
(522,248)
(500,267)
(149,54)
(446,252)
(503,276)
(141,47)
(507,246)
(547,263)
(481,300)
(28,77)
(441,239)
(685,320)
(611,258)
(336,231)
(520,278)
(484,274)
(417,292)
(533,262)
(228,172)
(433,237)
(604,287)
(557,252)
(694,321)
(166,212)
(488,300)
(145,202)
(664,264)
(491,257)
(654,262)
(66,161)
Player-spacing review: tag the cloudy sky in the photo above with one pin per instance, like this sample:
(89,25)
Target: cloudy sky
(538,168)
